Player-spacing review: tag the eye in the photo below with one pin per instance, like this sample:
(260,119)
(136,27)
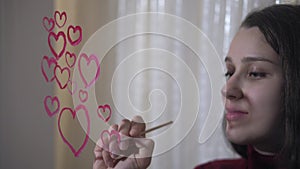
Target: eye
(257,75)
(228,74)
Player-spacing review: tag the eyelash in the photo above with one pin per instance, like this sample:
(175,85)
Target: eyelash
(255,75)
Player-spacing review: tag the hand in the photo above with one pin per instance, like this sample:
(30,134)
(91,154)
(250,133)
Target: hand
(129,153)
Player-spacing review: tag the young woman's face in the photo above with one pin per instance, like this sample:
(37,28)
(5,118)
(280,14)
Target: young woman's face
(252,92)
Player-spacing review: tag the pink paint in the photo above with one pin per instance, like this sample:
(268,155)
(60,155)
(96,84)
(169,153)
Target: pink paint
(74,35)
(109,134)
(75,151)
(83,95)
(72,86)
(60,18)
(48,24)
(57,43)
(88,61)
(70,59)
(51,105)
(47,66)
(62,76)
(104,112)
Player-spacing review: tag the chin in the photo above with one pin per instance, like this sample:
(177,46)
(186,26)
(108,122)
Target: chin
(236,136)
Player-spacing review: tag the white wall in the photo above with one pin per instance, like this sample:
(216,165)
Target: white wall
(26,132)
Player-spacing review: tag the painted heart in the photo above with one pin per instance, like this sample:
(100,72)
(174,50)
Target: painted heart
(62,76)
(74,35)
(57,43)
(88,73)
(48,24)
(51,105)
(60,18)
(70,59)
(79,109)
(83,95)
(72,86)
(47,66)
(104,112)
(106,135)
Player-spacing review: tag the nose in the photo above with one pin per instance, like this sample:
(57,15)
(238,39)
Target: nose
(232,89)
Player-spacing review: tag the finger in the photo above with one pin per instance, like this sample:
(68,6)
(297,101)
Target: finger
(143,158)
(98,151)
(99,164)
(107,159)
(137,126)
(124,130)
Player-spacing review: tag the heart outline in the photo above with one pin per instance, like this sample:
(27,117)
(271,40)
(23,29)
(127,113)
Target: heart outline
(53,99)
(64,85)
(86,95)
(89,60)
(71,55)
(104,107)
(50,22)
(56,37)
(110,133)
(87,133)
(75,29)
(63,14)
(72,86)
(50,61)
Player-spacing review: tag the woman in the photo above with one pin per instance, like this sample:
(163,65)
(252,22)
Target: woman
(261,98)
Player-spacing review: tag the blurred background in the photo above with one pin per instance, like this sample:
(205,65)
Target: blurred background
(29,138)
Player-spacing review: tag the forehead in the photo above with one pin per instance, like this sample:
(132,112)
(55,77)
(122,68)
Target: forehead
(250,42)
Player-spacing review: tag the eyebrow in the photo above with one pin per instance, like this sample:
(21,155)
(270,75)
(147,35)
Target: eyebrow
(252,59)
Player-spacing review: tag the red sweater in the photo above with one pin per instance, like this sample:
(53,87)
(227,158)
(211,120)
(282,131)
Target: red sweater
(254,161)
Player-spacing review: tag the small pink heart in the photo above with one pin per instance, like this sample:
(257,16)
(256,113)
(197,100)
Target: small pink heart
(62,76)
(88,74)
(108,134)
(74,35)
(47,66)
(83,95)
(60,18)
(51,105)
(104,112)
(70,59)
(57,43)
(48,24)
(78,109)
(72,87)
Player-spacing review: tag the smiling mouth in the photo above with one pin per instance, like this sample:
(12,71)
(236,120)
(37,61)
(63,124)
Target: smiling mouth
(235,115)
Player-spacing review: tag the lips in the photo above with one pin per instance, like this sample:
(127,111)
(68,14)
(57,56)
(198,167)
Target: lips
(233,115)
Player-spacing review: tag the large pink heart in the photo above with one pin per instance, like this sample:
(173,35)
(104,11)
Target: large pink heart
(80,108)
(104,112)
(60,18)
(57,43)
(51,105)
(62,76)
(48,24)
(70,59)
(74,35)
(88,74)
(47,66)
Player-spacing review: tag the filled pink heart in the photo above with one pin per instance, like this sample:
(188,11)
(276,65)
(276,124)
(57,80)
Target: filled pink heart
(88,74)
(57,43)
(48,24)
(62,76)
(60,18)
(79,108)
(74,35)
(70,59)
(51,105)
(104,112)
(83,95)
(47,66)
